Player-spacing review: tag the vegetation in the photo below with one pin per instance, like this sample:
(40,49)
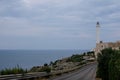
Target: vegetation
(15,70)
(75,58)
(91,53)
(109,64)
(44,68)
(114,67)
(103,60)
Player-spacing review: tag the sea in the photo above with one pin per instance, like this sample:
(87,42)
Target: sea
(26,59)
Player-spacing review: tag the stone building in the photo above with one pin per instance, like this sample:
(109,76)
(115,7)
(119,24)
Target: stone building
(102,45)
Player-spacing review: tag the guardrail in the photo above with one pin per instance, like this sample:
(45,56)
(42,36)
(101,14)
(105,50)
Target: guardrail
(23,76)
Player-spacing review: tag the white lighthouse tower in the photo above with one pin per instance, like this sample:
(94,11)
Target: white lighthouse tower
(97,33)
(97,49)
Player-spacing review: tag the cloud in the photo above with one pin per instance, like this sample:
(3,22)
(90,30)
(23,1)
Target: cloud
(21,27)
(59,19)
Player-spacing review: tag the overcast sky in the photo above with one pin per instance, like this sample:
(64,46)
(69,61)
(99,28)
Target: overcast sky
(57,24)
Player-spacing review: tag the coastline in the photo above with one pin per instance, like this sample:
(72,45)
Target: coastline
(29,58)
(67,63)
(61,66)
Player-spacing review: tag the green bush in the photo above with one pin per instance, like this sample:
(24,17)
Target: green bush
(90,53)
(75,58)
(109,65)
(103,60)
(114,67)
(15,70)
(45,69)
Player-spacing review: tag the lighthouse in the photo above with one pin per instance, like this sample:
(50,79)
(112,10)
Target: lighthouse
(97,33)
(97,49)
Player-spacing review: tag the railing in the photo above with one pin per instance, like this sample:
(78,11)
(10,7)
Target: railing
(23,76)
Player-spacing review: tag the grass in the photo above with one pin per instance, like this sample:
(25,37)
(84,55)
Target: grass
(15,70)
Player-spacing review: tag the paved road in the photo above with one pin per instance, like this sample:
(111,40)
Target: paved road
(85,73)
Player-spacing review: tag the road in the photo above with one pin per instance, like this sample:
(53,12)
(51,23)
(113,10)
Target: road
(85,73)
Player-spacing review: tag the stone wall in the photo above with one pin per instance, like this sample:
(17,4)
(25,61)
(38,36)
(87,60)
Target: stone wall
(102,45)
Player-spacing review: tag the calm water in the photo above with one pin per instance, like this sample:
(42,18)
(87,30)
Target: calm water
(30,58)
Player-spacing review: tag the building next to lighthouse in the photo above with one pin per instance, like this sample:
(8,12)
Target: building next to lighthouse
(100,45)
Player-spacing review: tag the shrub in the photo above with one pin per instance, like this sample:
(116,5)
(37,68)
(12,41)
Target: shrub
(109,65)
(15,70)
(45,69)
(103,60)
(75,58)
(114,67)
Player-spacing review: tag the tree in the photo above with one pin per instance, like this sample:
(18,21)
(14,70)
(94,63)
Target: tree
(45,64)
(103,63)
(114,66)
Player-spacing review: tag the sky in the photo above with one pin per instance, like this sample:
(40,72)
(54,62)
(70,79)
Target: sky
(57,24)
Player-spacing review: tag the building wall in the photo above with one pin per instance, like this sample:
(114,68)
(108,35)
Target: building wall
(100,46)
